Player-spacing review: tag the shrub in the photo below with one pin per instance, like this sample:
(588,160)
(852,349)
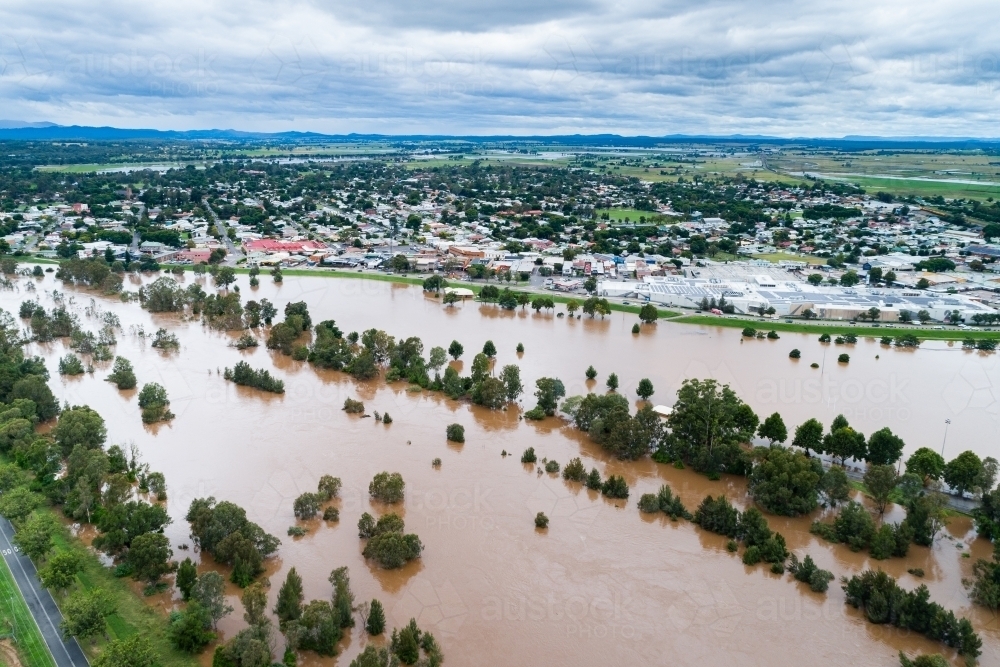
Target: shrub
(331,514)
(541,521)
(353,407)
(844,358)
(552,466)
(574,470)
(717,516)
(329,487)
(824,338)
(591,373)
(773,335)
(70,365)
(387,487)
(635,328)
(436,463)
(153,401)
(615,487)
(794,354)
(529,456)
(807,572)
(243,374)
(296,531)
(670,504)
(247,340)
(749,332)
(165,340)
(455,432)
(393,550)
(386,419)
(306,506)
(122,374)
(649,503)
(594,480)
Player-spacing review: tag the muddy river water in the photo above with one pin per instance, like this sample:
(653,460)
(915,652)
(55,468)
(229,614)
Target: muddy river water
(604,585)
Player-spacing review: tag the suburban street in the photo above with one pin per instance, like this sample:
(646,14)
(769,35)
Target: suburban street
(43,608)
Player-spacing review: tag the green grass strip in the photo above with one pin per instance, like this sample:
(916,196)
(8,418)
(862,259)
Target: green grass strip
(837,329)
(16,619)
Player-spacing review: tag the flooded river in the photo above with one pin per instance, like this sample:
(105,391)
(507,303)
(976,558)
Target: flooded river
(604,585)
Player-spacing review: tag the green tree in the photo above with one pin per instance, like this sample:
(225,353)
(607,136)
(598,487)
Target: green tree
(122,374)
(187,575)
(815,279)
(708,423)
(884,447)
(210,592)
(225,277)
(387,487)
(190,630)
(289,605)
(254,601)
(510,375)
(773,429)
(784,481)
(34,388)
(645,389)
(809,436)
(881,480)
(489,349)
(79,426)
(148,555)
(376,619)
(843,442)
(648,313)
(835,486)
(18,503)
(134,651)
(85,614)
(34,536)
(548,391)
(591,373)
(612,382)
(962,472)
(60,570)
(455,350)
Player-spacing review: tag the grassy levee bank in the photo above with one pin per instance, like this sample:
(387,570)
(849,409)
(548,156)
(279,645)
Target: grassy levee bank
(16,622)
(837,328)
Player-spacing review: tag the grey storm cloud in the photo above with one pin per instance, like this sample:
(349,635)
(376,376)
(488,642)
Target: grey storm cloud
(828,68)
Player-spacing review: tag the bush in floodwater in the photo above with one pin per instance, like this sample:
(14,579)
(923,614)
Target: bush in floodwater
(296,531)
(70,365)
(615,487)
(306,506)
(153,401)
(552,466)
(455,432)
(594,480)
(164,340)
(794,354)
(122,374)
(387,487)
(529,456)
(331,514)
(844,358)
(824,338)
(353,407)
(574,470)
(541,521)
(243,374)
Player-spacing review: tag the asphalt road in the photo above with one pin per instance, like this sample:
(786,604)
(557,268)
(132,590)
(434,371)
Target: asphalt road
(40,603)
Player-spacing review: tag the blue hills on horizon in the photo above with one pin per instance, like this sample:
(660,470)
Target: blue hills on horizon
(12,130)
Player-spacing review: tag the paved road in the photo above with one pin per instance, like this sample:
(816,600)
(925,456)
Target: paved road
(43,608)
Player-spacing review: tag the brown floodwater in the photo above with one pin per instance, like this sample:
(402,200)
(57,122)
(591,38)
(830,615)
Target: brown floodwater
(603,584)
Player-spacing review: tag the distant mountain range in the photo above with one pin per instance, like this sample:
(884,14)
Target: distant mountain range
(14,130)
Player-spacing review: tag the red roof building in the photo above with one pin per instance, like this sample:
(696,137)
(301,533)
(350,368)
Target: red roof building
(274,245)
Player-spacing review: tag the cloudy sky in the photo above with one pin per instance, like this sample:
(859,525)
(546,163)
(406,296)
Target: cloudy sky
(819,68)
